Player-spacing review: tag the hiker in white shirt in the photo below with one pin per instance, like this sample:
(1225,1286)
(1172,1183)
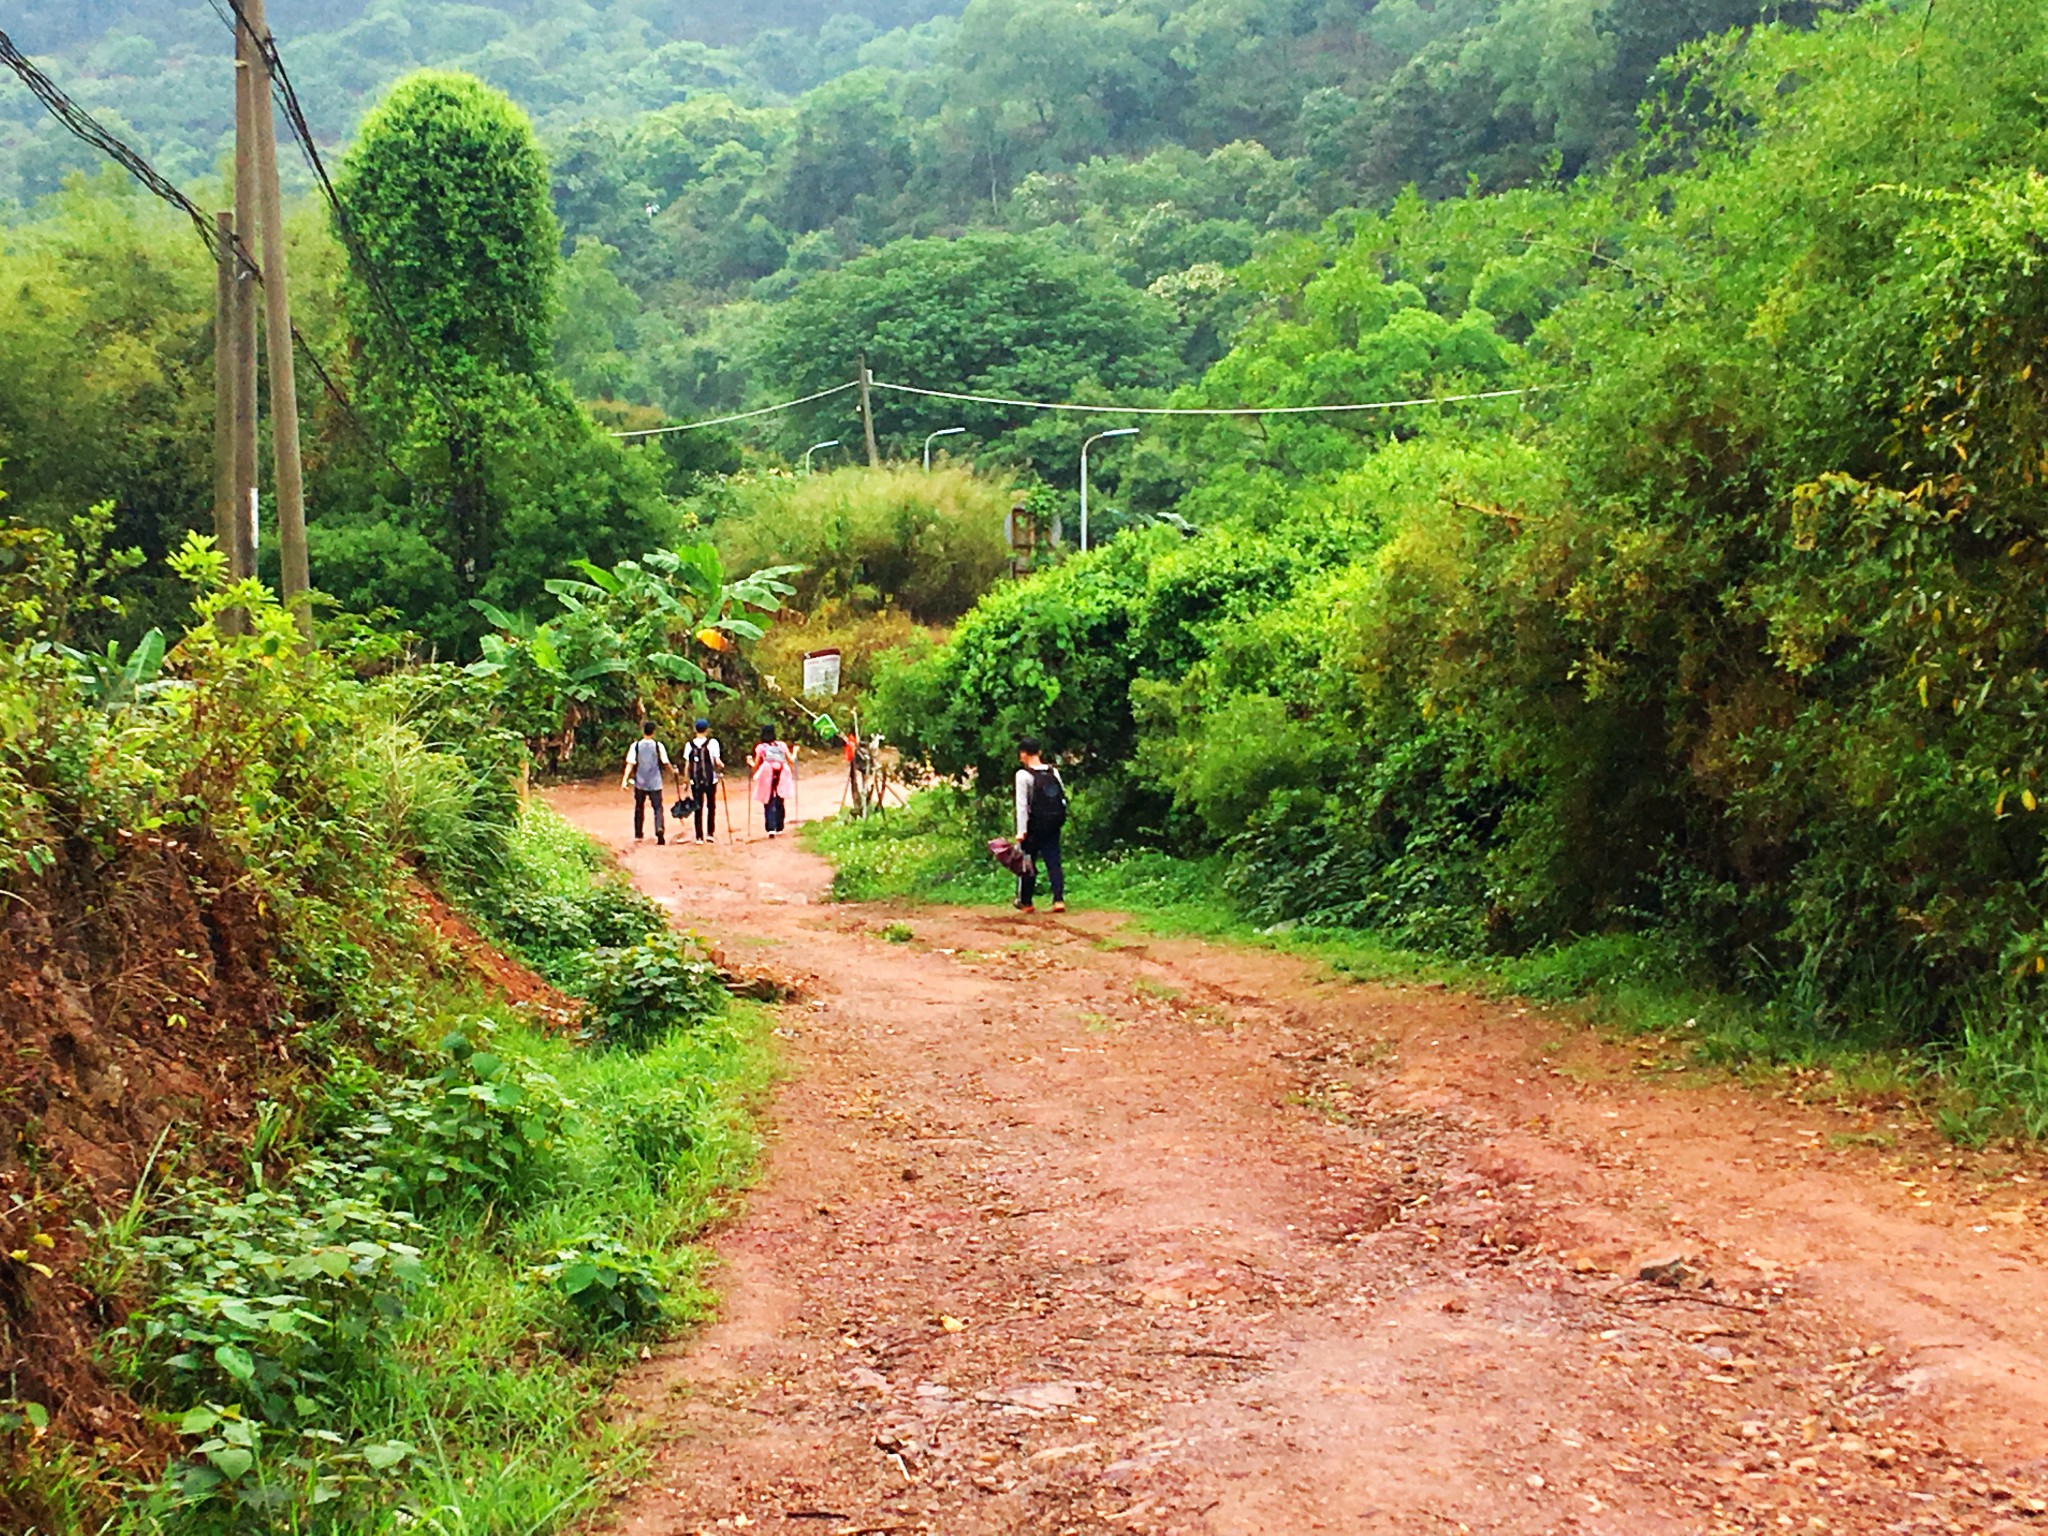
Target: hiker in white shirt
(1041,814)
(703,768)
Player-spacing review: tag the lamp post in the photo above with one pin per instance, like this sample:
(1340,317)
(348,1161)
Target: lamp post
(942,432)
(830,443)
(1098,437)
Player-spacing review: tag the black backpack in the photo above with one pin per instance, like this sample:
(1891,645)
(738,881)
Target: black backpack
(1048,801)
(697,760)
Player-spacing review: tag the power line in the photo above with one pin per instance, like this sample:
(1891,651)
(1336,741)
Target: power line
(302,130)
(1098,410)
(1197,410)
(84,126)
(766,410)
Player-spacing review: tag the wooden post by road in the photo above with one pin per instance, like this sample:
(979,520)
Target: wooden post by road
(243,332)
(294,576)
(867,415)
(226,500)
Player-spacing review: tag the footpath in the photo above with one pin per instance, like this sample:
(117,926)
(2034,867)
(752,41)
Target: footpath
(1062,1228)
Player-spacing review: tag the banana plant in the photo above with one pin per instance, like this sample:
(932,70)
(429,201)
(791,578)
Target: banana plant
(643,630)
(113,681)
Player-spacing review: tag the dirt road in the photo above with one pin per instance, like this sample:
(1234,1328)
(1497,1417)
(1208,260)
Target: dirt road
(1067,1229)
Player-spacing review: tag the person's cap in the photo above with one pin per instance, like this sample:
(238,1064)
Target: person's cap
(703,724)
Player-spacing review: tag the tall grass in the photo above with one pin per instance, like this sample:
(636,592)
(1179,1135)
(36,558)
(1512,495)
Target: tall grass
(869,539)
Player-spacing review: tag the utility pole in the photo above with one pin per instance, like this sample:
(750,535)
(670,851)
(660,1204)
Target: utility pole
(242,333)
(295,578)
(867,414)
(226,501)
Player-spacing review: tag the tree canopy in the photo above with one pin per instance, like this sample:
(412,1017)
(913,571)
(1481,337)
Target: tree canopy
(1021,316)
(450,298)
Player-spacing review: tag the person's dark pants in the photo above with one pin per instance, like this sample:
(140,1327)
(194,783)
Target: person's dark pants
(773,813)
(707,811)
(1045,854)
(642,798)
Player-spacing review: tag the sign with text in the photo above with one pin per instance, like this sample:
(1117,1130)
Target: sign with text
(821,673)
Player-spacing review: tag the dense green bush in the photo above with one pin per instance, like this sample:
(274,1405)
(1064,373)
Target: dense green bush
(609,1288)
(640,993)
(1729,634)
(549,926)
(554,899)
(269,1300)
(483,1131)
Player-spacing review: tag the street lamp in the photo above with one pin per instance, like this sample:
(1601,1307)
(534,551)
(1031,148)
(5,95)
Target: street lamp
(1098,437)
(942,432)
(832,443)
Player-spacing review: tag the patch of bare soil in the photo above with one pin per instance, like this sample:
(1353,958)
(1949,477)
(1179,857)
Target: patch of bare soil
(1067,1230)
(499,972)
(134,993)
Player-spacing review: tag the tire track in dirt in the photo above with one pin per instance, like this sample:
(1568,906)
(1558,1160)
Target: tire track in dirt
(1061,1232)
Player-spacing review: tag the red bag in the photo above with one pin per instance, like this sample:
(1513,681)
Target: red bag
(1010,855)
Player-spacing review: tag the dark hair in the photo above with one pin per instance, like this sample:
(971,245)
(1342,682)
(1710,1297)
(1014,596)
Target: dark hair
(646,727)
(1028,745)
(767,733)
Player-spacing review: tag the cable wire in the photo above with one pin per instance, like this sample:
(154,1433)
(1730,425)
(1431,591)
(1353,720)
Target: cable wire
(84,126)
(1099,410)
(287,99)
(1195,410)
(766,410)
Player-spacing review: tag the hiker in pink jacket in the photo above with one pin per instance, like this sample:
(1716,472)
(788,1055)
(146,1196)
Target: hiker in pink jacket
(774,765)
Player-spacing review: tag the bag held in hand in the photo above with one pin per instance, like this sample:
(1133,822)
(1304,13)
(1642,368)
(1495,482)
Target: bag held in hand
(1010,855)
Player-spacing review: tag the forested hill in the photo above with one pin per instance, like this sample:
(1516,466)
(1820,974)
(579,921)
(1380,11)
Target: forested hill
(157,65)
(1367,97)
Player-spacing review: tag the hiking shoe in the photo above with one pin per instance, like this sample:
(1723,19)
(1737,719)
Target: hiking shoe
(1025,906)
(1059,906)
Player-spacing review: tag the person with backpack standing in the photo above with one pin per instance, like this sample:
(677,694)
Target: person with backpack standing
(1041,815)
(645,760)
(774,768)
(703,767)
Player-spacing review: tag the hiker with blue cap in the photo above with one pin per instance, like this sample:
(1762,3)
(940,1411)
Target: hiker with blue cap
(703,770)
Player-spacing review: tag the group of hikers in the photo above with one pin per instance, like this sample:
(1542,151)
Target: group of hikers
(1041,798)
(700,780)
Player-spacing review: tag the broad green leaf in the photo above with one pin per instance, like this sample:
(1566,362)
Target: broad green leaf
(386,1454)
(237,1362)
(578,1278)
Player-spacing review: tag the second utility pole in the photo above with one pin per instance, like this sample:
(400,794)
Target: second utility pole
(294,575)
(242,326)
(867,414)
